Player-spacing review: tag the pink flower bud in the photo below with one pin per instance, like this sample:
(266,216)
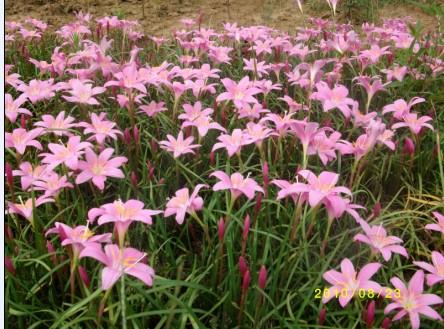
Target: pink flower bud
(84,276)
(386,323)
(9,266)
(154,147)
(409,147)
(23,121)
(246,281)
(243,267)
(376,210)
(8,233)
(262,277)
(51,250)
(370,314)
(9,175)
(258,205)
(246,228)
(136,135)
(127,136)
(265,173)
(221,229)
(322,316)
(134,179)
(212,159)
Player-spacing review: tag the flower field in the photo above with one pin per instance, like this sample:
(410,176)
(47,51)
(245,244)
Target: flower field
(235,177)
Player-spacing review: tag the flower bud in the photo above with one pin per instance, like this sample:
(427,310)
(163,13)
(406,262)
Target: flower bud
(154,147)
(221,229)
(408,148)
(136,135)
(246,281)
(265,173)
(23,121)
(246,228)
(9,175)
(84,276)
(243,267)
(52,251)
(370,314)
(212,159)
(9,266)
(8,233)
(262,277)
(127,136)
(386,323)
(376,210)
(258,204)
(134,179)
(322,316)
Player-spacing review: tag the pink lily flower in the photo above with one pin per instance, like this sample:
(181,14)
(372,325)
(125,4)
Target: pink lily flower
(100,127)
(83,93)
(25,208)
(371,86)
(259,68)
(153,108)
(29,174)
(437,227)
(324,146)
(79,237)
(436,270)
(323,187)
(122,214)
(12,107)
(59,125)
(38,90)
(183,203)
(52,184)
(251,111)
(12,79)
(240,93)
(237,184)
(20,139)
(351,281)
(119,262)
(257,133)
(98,167)
(333,98)
(401,108)
(412,301)
(179,146)
(398,73)
(192,112)
(376,237)
(128,78)
(203,125)
(232,143)
(415,124)
(374,53)
(68,155)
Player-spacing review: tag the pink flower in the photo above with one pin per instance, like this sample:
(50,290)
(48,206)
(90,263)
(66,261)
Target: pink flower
(437,227)
(371,86)
(203,125)
(128,78)
(257,133)
(100,127)
(79,237)
(237,184)
(436,270)
(183,203)
(83,93)
(322,188)
(68,155)
(12,79)
(119,262)
(398,73)
(153,108)
(376,237)
(251,111)
(25,208)
(29,174)
(179,146)
(122,214)
(412,301)
(240,93)
(20,139)
(351,281)
(98,167)
(324,146)
(401,108)
(259,68)
(415,124)
(59,125)
(333,98)
(38,90)
(374,53)
(12,107)
(52,184)
(232,143)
